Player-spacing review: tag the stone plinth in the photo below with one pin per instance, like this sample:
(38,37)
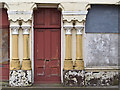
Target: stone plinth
(20,78)
(102,78)
(73,78)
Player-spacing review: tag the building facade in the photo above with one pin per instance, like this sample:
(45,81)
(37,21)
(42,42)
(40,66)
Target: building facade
(74,43)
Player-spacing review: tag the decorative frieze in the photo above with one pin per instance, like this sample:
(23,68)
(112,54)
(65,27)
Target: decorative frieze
(77,13)
(15,12)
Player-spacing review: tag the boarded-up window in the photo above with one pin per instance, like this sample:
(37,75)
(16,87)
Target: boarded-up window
(102,19)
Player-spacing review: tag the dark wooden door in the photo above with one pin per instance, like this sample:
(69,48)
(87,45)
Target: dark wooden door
(47,46)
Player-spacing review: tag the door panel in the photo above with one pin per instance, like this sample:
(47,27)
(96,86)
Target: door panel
(47,18)
(40,46)
(47,44)
(54,44)
(47,50)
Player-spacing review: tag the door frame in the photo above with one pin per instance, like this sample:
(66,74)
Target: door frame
(60,47)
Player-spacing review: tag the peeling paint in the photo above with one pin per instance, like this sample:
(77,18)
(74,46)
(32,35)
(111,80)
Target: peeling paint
(101,78)
(82,78)
(73,78)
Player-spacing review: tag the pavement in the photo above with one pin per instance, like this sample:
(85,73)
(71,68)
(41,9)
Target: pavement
(5,86)
(60,87)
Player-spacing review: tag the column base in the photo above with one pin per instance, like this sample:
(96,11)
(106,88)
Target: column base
(26,65)
(68,65)
(74,78)
(79,65)
(14,65)
(20,78)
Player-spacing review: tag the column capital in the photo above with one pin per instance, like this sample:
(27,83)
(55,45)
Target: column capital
(15,29)
(79,28)
(26,29)
(68,28)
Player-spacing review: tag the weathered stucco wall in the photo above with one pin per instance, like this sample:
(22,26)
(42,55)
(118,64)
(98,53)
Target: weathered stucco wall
(101,49)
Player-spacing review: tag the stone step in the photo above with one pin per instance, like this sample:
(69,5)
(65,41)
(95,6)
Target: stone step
(60,87)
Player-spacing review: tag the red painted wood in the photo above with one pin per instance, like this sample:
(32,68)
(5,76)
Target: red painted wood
(47,46)
(4,24)
(47,56)
(4,72)
(47,18)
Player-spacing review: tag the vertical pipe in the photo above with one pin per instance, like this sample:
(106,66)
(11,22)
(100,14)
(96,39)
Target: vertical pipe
(32,50)
(61,49)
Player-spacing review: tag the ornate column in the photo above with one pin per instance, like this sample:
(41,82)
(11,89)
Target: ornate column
(79,63)
(15,63)
(68,63)
(22,17)
(26,63)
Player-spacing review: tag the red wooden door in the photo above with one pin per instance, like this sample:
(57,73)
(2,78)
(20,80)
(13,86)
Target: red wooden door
(47,51)
(4,45)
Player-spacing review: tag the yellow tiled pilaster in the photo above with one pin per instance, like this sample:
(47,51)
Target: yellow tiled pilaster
(79,63)
(15,63)
(68,62)
(26,63)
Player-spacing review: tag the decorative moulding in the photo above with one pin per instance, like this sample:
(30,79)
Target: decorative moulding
(68,28)
(15,29)
(79,18)
(79,28)
(26,29)
(77,13)
(6,6)
(74,12)
(60,7)
(88,7)
(18,13)
(47,5)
